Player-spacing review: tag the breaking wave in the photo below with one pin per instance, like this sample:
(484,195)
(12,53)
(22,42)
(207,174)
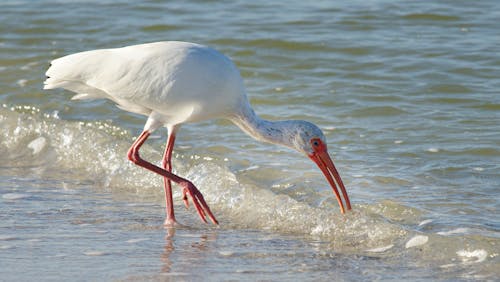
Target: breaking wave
(41,144)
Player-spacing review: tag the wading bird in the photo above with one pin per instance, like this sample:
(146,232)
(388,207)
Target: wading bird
(179,82)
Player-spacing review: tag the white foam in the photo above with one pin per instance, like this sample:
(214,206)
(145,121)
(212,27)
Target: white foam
(433,150)
(94,253)
(136,240)
(242,203)
(247,205)
(424,222)
(67,137)
(22,82)
(253,167)
(226,253)
(380,249)
(454,231)
(29,65)
(479,254)
(417,240)
(15,196)
(37,145)
(447,265)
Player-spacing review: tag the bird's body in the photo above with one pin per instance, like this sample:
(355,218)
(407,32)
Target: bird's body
(171,82)
(174,83)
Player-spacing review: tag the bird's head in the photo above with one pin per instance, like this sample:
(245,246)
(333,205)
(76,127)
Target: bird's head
(310,140)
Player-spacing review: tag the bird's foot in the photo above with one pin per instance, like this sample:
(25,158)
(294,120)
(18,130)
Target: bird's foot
(171,222)
(198,202)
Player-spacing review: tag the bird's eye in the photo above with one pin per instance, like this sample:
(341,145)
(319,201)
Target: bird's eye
(315,143)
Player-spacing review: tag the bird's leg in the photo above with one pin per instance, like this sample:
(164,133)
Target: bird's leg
(167,184)
(188,187)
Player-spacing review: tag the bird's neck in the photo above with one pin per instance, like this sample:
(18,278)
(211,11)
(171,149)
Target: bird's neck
(276,132)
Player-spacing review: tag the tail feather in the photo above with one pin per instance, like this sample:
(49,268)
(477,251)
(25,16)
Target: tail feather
(73,73)
(77,73)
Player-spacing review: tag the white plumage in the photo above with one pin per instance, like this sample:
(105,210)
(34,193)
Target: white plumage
(168,81)
(177,82)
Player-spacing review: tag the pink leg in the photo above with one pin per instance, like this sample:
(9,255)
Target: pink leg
(188,187)
(167,184)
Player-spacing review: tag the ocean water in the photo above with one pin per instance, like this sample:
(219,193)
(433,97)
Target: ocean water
(406,93)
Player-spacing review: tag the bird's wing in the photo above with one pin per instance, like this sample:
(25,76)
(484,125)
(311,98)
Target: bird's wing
(75,72)
(182,81)
(105,73)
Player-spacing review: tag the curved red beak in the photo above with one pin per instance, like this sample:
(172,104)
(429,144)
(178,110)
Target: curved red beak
(322,159)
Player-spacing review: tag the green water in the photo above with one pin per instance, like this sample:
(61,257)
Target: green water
(406,93)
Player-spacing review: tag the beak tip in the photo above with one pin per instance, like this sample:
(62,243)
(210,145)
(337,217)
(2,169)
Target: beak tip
(326,165)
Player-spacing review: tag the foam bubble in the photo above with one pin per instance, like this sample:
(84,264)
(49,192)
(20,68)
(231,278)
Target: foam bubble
(226,253)
(137,240)
(424,222)
(480,255)
(22,82)
(380,249)
(99,152)
(454,231)
(37,145)
(243,204)
(417,240)
(94,253)
(15,196)
(7,238)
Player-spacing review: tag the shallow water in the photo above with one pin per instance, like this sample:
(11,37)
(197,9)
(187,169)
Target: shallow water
(406,94)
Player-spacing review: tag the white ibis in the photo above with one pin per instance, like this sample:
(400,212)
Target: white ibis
(178,82)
